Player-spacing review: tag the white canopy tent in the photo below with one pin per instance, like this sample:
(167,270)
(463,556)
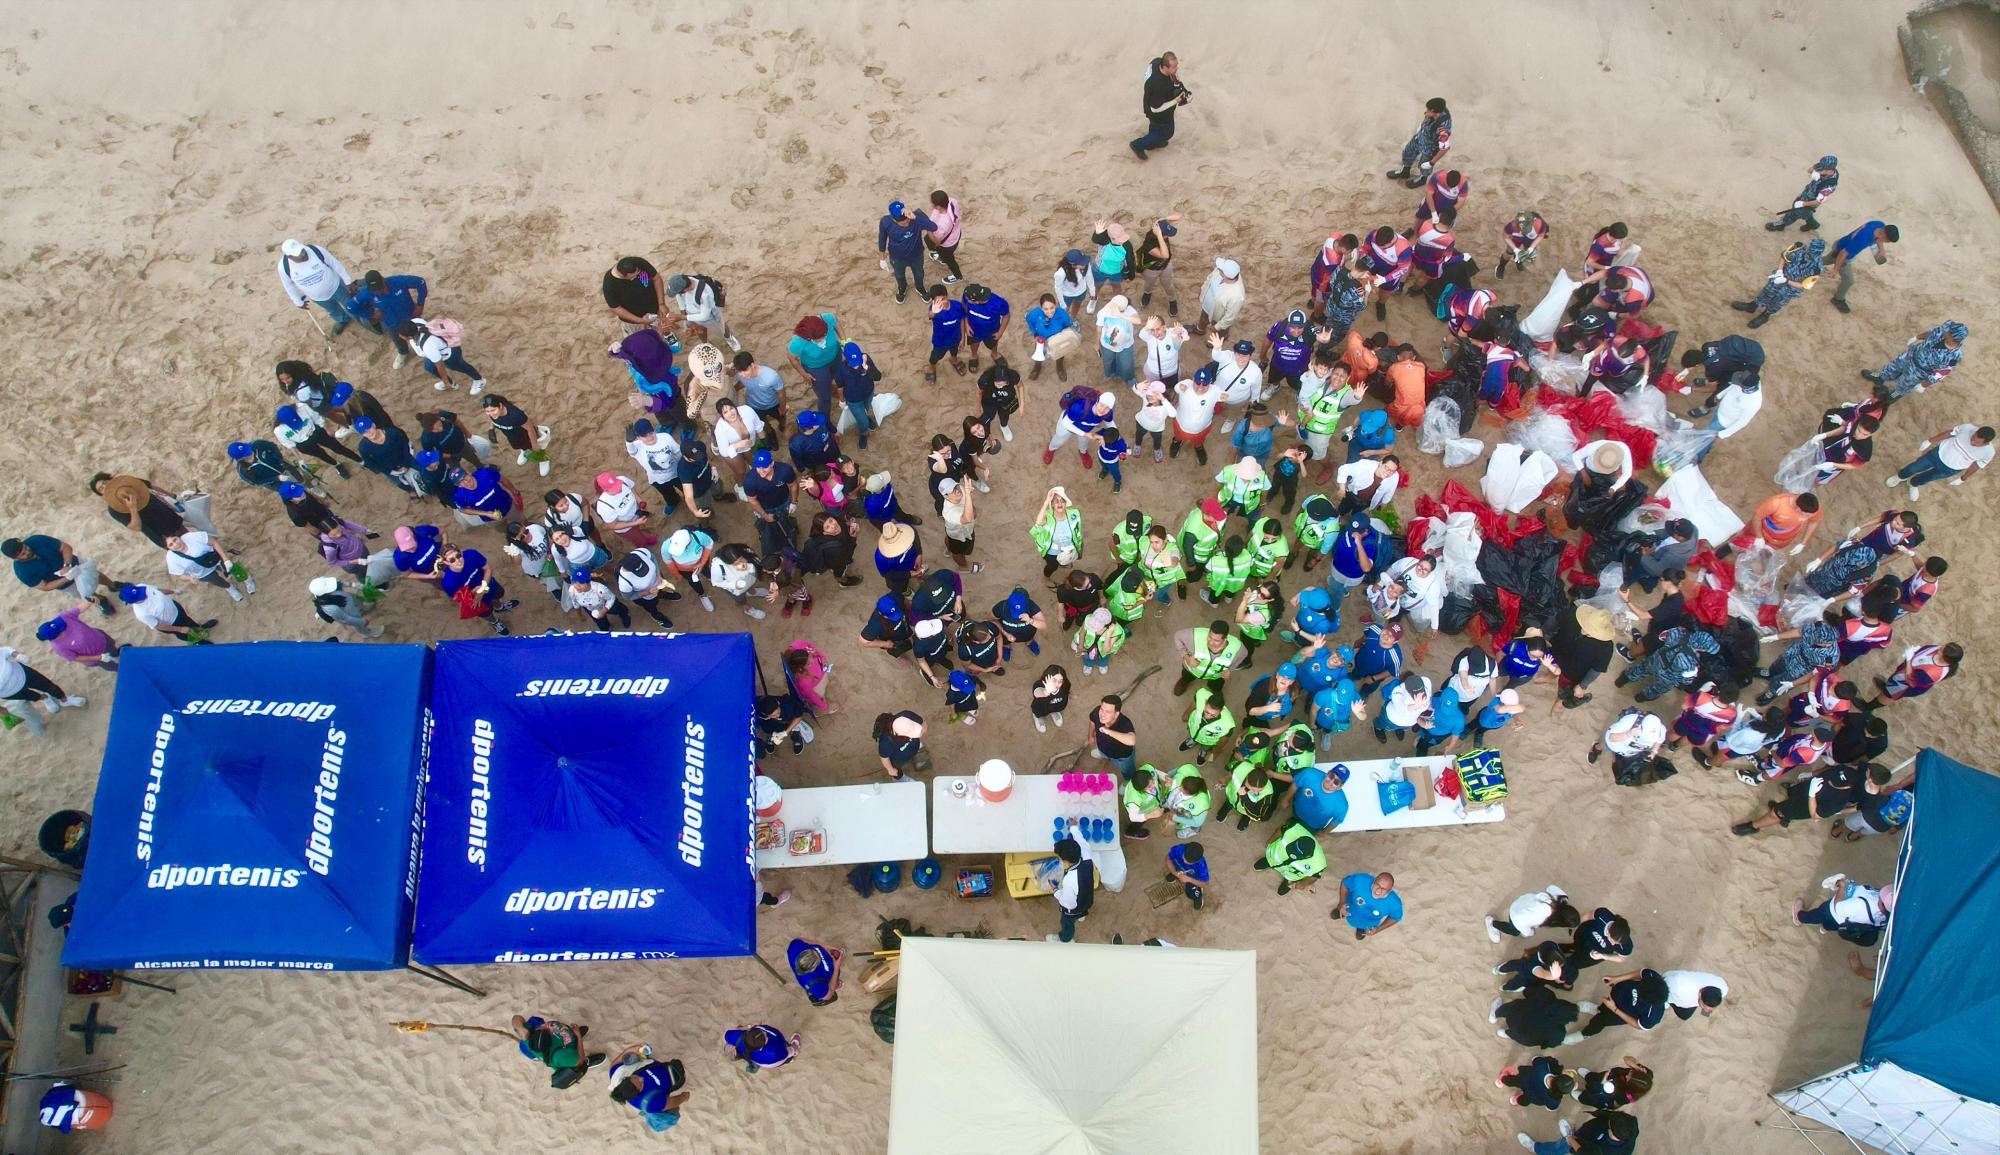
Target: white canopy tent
(1009,1048)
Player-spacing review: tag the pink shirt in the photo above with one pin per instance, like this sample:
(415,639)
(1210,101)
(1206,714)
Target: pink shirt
(79,640)
(946,220)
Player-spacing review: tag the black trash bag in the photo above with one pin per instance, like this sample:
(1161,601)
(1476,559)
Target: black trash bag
(1736,659)
(890,932)
(1659,349)
(1642,771)
(1596,509)
(883,1019)
(1468,371)
(862,879)
(1502,323)
(1530,569)
(1456,613)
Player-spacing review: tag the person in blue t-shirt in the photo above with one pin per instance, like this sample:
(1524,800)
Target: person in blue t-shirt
(484,496)
(855,375)
(986,318)
(385,303)
(1371,436)
(947,332)
(1872,235)
(417,551)
(1338,707)
(1353,551)
(1111,450)
(899,237)
(1187,864)
(1317,798)
(813,445)
(1444,724)
(654,1089)
(1369,903)
(1321,666)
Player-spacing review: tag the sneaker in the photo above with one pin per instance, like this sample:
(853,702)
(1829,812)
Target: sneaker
(1158,457)
(1493,1012)
(235,595)
(509,604)
(1049,457)
(1492,932)
(478,387)
(1522,1137)
(1893,481)
(1916,491)
(735,346)
(742,494)
(521,458)
(543,469)
(1006,434)
(900,294)
(707,604)
(438,385)
(778,899)
(249,585)
(1841,305)
(75,700)
(1231,424)
(1041,726)
(1057,719)
(950,280)
(401,360)
(753,613)
(982,486)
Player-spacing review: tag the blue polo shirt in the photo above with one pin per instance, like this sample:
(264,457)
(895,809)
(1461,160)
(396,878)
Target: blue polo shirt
(1082,413)
(1315,614)
(33,571)
(984,317)
(948,326)
(1333,707)
(400,300)
(1447,715)
(1628,997)
(1317,799)
(772,494)
(485,495)
(1859,241)
(1364,910)
(1347,554)
(903,242)
(422,559)
(451,581)
(1490,717)
(1177,856)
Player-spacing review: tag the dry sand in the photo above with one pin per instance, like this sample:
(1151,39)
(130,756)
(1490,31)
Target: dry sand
(158,153)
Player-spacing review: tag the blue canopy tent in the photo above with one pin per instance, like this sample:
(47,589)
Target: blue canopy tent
(1928,1079)
(589,800)
(257,807)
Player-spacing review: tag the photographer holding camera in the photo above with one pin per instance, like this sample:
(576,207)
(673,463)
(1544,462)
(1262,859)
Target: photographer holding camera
(1163,94)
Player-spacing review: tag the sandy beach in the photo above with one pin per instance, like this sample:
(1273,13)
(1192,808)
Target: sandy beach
(508,153)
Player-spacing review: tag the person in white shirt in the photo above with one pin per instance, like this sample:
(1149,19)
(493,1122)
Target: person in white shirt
(1404,707)
(1367,485)
(1956,453)
(1604,458)
(641,579)
(618,509)
(596,600)
(1854,910)
(1074,281)
(1735,404)
(1531,912)
(737,431)
(1076,889)
(1117,329)
(1222,297)
(698,300)
(312,275)
(22,687)
(1634,739)
(733,571)
(529,544)
(1692,991)
(157,610)
(1237,374)
(195,554)
(959,523)
(1195,403)
(1155,411)
(1422,600)
(1163,350)
(1472,672)
(659,456)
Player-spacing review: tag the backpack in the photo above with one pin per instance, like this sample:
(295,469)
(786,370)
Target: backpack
(714,288)
(452,331)
(1075,393)
(883,1019)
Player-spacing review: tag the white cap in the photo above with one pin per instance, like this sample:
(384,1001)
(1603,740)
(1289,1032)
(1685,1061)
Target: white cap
(1228,268)
(947,486)
(294,249)
(322,586)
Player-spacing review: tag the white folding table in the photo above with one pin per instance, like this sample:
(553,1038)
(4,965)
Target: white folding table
(874,822)
(1364,801)
(964,822)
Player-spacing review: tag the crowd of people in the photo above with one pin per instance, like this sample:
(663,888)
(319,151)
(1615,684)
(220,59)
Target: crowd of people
(1311,420)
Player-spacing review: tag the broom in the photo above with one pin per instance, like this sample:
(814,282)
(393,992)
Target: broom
(419,1027)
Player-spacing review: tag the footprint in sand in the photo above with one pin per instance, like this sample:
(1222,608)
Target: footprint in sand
(323,121)
(742,198)
(835,177)
(795,150)
(562,22)
(603,48)
(872,70)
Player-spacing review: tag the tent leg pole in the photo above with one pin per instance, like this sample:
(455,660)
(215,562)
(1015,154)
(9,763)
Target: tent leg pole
(767,966)
(440,975)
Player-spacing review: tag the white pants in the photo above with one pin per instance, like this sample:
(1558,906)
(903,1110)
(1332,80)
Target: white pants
(1065,432)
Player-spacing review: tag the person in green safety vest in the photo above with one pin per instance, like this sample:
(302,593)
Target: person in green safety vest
(1127,536)
(1315,527)
(1125,595)
(1228,571)
(1241,487)
(1297,856)
(1208,724)
(1057,532)
(1249,791)
(1162,563)
(1097,639)
(1321,402)
(1201,530)
(1296,749)
(1269,547)
(1256,612)
(1188,801)
(1208,655)
(1144,798)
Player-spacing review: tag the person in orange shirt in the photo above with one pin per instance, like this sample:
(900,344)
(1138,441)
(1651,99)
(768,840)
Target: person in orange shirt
(1359,356)
(1784,521)
(1406,377)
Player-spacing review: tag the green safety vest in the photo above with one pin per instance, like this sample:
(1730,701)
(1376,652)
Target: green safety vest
(1305,759)
(1107,643)
(1295,870)
(1227,575)
(1163,572)
(1210,732)
(1124,544)
(1126,607)
(1044,531)
(1188,809)
(1197,539)
(1237,792)
(1208,666)
(1154,797)
(1230,487)
(1311,531)
(1268,556)
(1321,415)
(1254,630)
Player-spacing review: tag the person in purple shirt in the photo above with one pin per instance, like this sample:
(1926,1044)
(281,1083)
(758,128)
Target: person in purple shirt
(1288,351)
(899,237)
(947,332)
(1873,235)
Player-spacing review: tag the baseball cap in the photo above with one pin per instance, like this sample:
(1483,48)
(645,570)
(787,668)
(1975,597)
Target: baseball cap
(947,486)
(1167,229)
(1017,602)
(240,450)
(363,424)
(428,458)
(638,429)
(1073,257)
(50,628)
(962,682)
(132,594)
(1510,697)
(294,249)
(896,208)
(1247,348)
(1205,375)
(810,420)
(288,416)
(291,490)
(762,460)
(580,576)
(609,483)
(1289,670)
(1295,317)
(887,607)
(340,394)
(976,293)
(1228,268)
(1212,509)
(852,354)
(319,587)
(678,283)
